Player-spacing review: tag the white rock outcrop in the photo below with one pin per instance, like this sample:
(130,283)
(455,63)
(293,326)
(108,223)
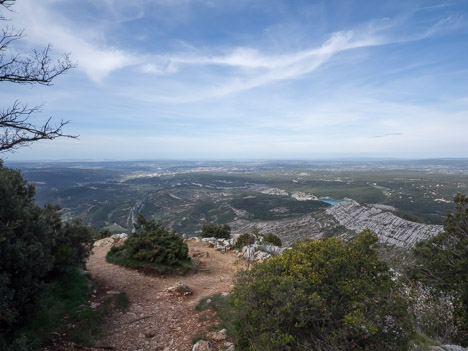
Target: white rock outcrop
(390,229)
(442,348)
(202,345)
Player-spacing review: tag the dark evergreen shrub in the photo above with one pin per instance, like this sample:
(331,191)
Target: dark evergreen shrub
(244,240)
(103,233)
(272,239)
(152,243)
(35,247)
(211,230)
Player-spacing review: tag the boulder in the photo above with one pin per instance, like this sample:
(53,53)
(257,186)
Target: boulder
(261,256)
(219,335)
(104,242)
(248,252)
(121,236)
(202,345)
(447,348)
(180,289)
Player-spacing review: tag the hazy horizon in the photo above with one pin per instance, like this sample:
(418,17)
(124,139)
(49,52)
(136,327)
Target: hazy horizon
(239,160)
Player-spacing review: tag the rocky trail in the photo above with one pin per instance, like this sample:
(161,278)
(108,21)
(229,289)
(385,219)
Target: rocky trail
(155,318)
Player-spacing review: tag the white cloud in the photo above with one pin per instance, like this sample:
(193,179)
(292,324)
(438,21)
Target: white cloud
(247,68)
(44,26)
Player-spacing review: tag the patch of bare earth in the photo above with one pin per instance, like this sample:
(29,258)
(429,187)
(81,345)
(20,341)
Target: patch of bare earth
(156,319)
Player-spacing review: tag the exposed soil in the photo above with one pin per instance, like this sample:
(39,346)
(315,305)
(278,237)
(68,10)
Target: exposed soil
(156,319)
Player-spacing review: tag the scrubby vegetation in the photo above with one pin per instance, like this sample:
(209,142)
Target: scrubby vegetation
(321,295)
(270,207)
(66,299)
(36,249)
(211,230)
(103,233)
(441,265)
(256,236)
(244,240)
(272,239)
(222,311)
(151,246)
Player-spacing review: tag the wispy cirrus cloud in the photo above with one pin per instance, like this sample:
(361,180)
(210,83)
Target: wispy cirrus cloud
(43,26)
(386,135)
(247,68)
(250,66)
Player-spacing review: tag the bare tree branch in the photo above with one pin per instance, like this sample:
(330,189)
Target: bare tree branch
(35,69)
(38,68)
(6,4)
(18,131)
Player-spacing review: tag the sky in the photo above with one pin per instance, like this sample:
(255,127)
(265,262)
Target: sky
(249,79)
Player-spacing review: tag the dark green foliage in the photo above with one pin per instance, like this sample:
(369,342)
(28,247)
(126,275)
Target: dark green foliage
(244,240)
(249,239)
(72,246)
(103,233)
(321,295)
(272,239)
(150,243)
(264,207)
(121,300)
(211,230)
(67,297)
(35,248)
(441,262)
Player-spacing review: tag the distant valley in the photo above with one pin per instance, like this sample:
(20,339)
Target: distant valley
(403,201)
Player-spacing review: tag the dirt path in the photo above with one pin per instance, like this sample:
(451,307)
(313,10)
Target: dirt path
(155,319)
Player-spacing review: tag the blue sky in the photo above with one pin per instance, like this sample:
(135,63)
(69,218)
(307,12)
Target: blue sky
(224,79)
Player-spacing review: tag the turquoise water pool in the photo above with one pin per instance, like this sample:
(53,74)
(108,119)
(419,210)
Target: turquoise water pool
(331,201)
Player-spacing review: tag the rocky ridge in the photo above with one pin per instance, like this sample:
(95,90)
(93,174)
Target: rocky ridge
(391,229)
(259,251)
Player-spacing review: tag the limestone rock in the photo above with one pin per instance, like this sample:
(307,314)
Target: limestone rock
(448,348)
(180,289)
(219,335)
(113,292)
(389,228)
(121,236)
(202,345)
(104,242)
(442,348)
(248,252)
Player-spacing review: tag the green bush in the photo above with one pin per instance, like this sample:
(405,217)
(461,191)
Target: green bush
(273,239)
(321,295)
(151,243)
(211,230)
(244,240)
(103,233)
(441,263)
(67,299)
(35,248)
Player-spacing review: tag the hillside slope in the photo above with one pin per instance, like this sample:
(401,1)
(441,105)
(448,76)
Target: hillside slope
(391,229)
